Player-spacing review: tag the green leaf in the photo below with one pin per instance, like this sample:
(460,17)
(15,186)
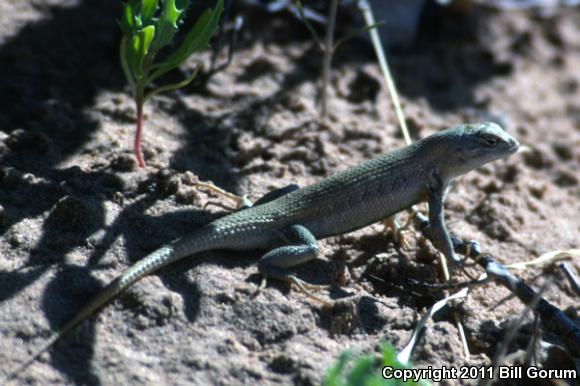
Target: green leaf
(196,40)
(167,24)
(139,48)
(356,32)
(148,8)
(333,376)
(361,371)
(124,53)
(136,4)
(378,380)
(133,55)
(127,23)
(390,356)
(182,3)
(146,37)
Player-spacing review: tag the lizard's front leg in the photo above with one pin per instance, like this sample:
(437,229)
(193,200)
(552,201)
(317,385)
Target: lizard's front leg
(302,247)
(439,234)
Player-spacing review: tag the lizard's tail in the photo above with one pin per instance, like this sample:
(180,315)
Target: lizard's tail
(202,240)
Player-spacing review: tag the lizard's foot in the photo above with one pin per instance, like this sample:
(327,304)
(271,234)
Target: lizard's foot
(241,202)
(261,286)
(306,288)
(302,248)
(303,286)
(393,225)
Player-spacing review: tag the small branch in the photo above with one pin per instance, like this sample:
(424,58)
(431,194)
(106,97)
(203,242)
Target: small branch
(553,318)
(510,336)
(302,15)
(356,32)
(327,60)
(174,86)
(574,284)
(447,285)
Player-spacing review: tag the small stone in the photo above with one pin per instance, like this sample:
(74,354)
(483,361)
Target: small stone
(16,239)
(10,176)
(363,87)
(563,150)
(21,139)
(537,190)
(3,149)
(294,103)
(70,214)
(565,178)
(188,178)
(188,196)
(173,185)
(124,163)
(148,152)
(538,158)
(283,364)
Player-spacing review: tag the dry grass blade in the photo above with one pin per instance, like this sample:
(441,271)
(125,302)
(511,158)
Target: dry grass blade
(367,12)
(547,258)
(405,354)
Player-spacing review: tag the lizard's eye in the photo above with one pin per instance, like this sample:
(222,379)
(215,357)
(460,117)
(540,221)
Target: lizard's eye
(490,141)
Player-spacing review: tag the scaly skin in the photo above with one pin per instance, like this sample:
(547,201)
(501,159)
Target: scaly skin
(288,224)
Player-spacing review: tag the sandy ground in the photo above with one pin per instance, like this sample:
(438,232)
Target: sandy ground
(75,211)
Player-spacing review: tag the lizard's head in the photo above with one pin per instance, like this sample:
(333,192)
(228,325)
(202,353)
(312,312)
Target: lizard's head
(472,145)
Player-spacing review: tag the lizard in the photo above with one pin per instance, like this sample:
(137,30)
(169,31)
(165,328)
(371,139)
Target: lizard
(288,222)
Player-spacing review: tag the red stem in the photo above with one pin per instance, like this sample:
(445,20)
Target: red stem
(137,144)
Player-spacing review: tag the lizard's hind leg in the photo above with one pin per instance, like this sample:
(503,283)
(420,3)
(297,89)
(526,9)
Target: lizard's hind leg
(302,247)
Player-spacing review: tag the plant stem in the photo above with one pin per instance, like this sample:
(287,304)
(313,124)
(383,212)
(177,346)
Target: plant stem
(137,144)
(327,60)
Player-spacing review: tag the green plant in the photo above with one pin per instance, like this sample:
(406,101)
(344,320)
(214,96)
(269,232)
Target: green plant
(329,46)
(147,27)
(362,370)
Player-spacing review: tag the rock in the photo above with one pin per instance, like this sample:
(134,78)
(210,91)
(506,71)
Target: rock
(70,214)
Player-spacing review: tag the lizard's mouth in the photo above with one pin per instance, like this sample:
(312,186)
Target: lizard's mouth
(514,145)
